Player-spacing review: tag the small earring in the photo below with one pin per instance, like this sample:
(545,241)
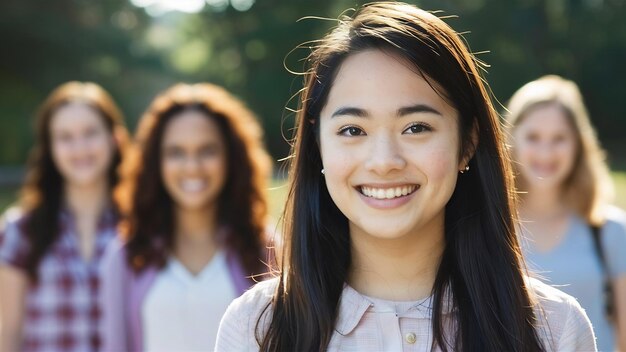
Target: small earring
(322,171)
(466,169)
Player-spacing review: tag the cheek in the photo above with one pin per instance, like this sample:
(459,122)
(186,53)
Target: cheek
(567,153)
(338,167)
(102,144)
(216,166)
(523,152)
(169,169)
(59,150)
(336,159)
(440,165)
(62,154)
(567,150)
(522,146)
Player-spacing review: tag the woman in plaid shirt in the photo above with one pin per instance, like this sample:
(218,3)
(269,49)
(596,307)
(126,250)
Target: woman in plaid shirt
(51,246)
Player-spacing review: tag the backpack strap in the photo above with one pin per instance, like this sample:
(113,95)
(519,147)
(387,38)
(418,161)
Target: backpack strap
(609,304)
(597,244)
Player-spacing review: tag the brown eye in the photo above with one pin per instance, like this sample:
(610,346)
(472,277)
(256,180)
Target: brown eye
(532,137)
(417,128)
(209,151)
(174,153)
(559,139)
(351,131)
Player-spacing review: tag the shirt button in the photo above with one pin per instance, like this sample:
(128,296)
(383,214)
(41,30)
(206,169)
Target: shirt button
(410,338)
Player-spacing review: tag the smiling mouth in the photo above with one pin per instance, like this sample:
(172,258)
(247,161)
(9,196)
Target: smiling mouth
(544,170)
(387,193)
(193,186)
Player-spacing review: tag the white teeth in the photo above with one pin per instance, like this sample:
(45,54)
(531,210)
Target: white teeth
(387,193)
(193,185)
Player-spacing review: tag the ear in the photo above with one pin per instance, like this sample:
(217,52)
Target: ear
(470,149)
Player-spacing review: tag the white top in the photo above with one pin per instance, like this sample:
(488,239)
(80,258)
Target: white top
(363,323)
(181,311)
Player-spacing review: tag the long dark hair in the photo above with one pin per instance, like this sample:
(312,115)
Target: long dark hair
(481,264)
(42,194)
(242,203)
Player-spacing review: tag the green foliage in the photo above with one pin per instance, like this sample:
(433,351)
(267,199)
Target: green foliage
(135,55)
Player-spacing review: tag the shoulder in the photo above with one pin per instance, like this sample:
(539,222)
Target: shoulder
(115,250)
(549,298)
(615,221)
(12,218)
(238,328)
(14,245)
(613,236)
(615,214)
(562,324)
(253,302)
(113,263)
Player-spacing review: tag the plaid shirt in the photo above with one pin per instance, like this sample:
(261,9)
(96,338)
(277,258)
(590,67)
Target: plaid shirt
(61,311)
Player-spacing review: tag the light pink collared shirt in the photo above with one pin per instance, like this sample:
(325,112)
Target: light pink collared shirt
(369,324)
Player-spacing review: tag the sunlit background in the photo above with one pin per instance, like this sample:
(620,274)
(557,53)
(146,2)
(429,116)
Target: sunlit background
(136,48)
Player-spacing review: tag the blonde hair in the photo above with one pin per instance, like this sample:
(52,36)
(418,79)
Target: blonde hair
(589,187)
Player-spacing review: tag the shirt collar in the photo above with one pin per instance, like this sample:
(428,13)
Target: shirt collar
(108,217)
(353,306)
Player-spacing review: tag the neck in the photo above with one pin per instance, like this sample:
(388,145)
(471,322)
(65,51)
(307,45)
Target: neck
(401,269)
(194,241)
(195,226)
(87,201)
(545,203)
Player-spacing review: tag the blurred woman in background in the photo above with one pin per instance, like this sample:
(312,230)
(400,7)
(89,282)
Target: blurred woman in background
(52,244)
(572,237)
(195,195)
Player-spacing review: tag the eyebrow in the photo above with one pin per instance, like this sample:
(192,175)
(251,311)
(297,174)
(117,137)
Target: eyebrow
(407,110)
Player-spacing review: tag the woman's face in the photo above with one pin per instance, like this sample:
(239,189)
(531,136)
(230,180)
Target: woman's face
(545,147)
(389,146)
(82,146)
(193,160)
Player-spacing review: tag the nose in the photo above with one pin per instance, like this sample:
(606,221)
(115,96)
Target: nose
(192,163)
(385,155)
(546,149)
(79,144)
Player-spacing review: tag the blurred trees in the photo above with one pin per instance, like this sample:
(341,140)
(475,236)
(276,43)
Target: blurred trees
(135,53)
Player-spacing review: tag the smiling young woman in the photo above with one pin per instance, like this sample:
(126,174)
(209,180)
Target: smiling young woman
(565,188)
(400,227)
(52,244)
(195,226)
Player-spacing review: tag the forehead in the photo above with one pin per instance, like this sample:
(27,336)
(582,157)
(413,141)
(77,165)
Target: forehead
(74,116)
(546,118)
(383,81)
(191,127)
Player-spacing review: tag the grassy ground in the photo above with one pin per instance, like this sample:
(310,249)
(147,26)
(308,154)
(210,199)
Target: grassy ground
(278,193)
(620,189)
(7,196)
(277,196)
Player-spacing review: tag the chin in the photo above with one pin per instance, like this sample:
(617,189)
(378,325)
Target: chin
(192,205)
(84,180)
(383,232)
(546,183)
